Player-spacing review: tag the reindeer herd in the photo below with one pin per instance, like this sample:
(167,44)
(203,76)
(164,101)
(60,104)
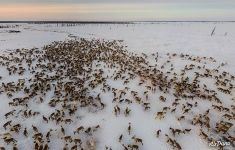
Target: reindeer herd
(63,76)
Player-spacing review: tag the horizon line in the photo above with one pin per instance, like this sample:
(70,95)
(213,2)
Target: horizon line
(114,22)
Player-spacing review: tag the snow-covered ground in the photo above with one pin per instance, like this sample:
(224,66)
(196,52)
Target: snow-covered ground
(193,38)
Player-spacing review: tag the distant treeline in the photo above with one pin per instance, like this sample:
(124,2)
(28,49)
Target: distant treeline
(68,22)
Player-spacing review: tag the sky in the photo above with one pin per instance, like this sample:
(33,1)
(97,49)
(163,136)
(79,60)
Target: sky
(117,10)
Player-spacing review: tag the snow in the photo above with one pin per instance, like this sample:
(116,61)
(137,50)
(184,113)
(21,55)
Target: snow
(192,38)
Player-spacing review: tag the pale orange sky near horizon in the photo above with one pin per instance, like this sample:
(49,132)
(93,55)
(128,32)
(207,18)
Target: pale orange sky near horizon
(113,11)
